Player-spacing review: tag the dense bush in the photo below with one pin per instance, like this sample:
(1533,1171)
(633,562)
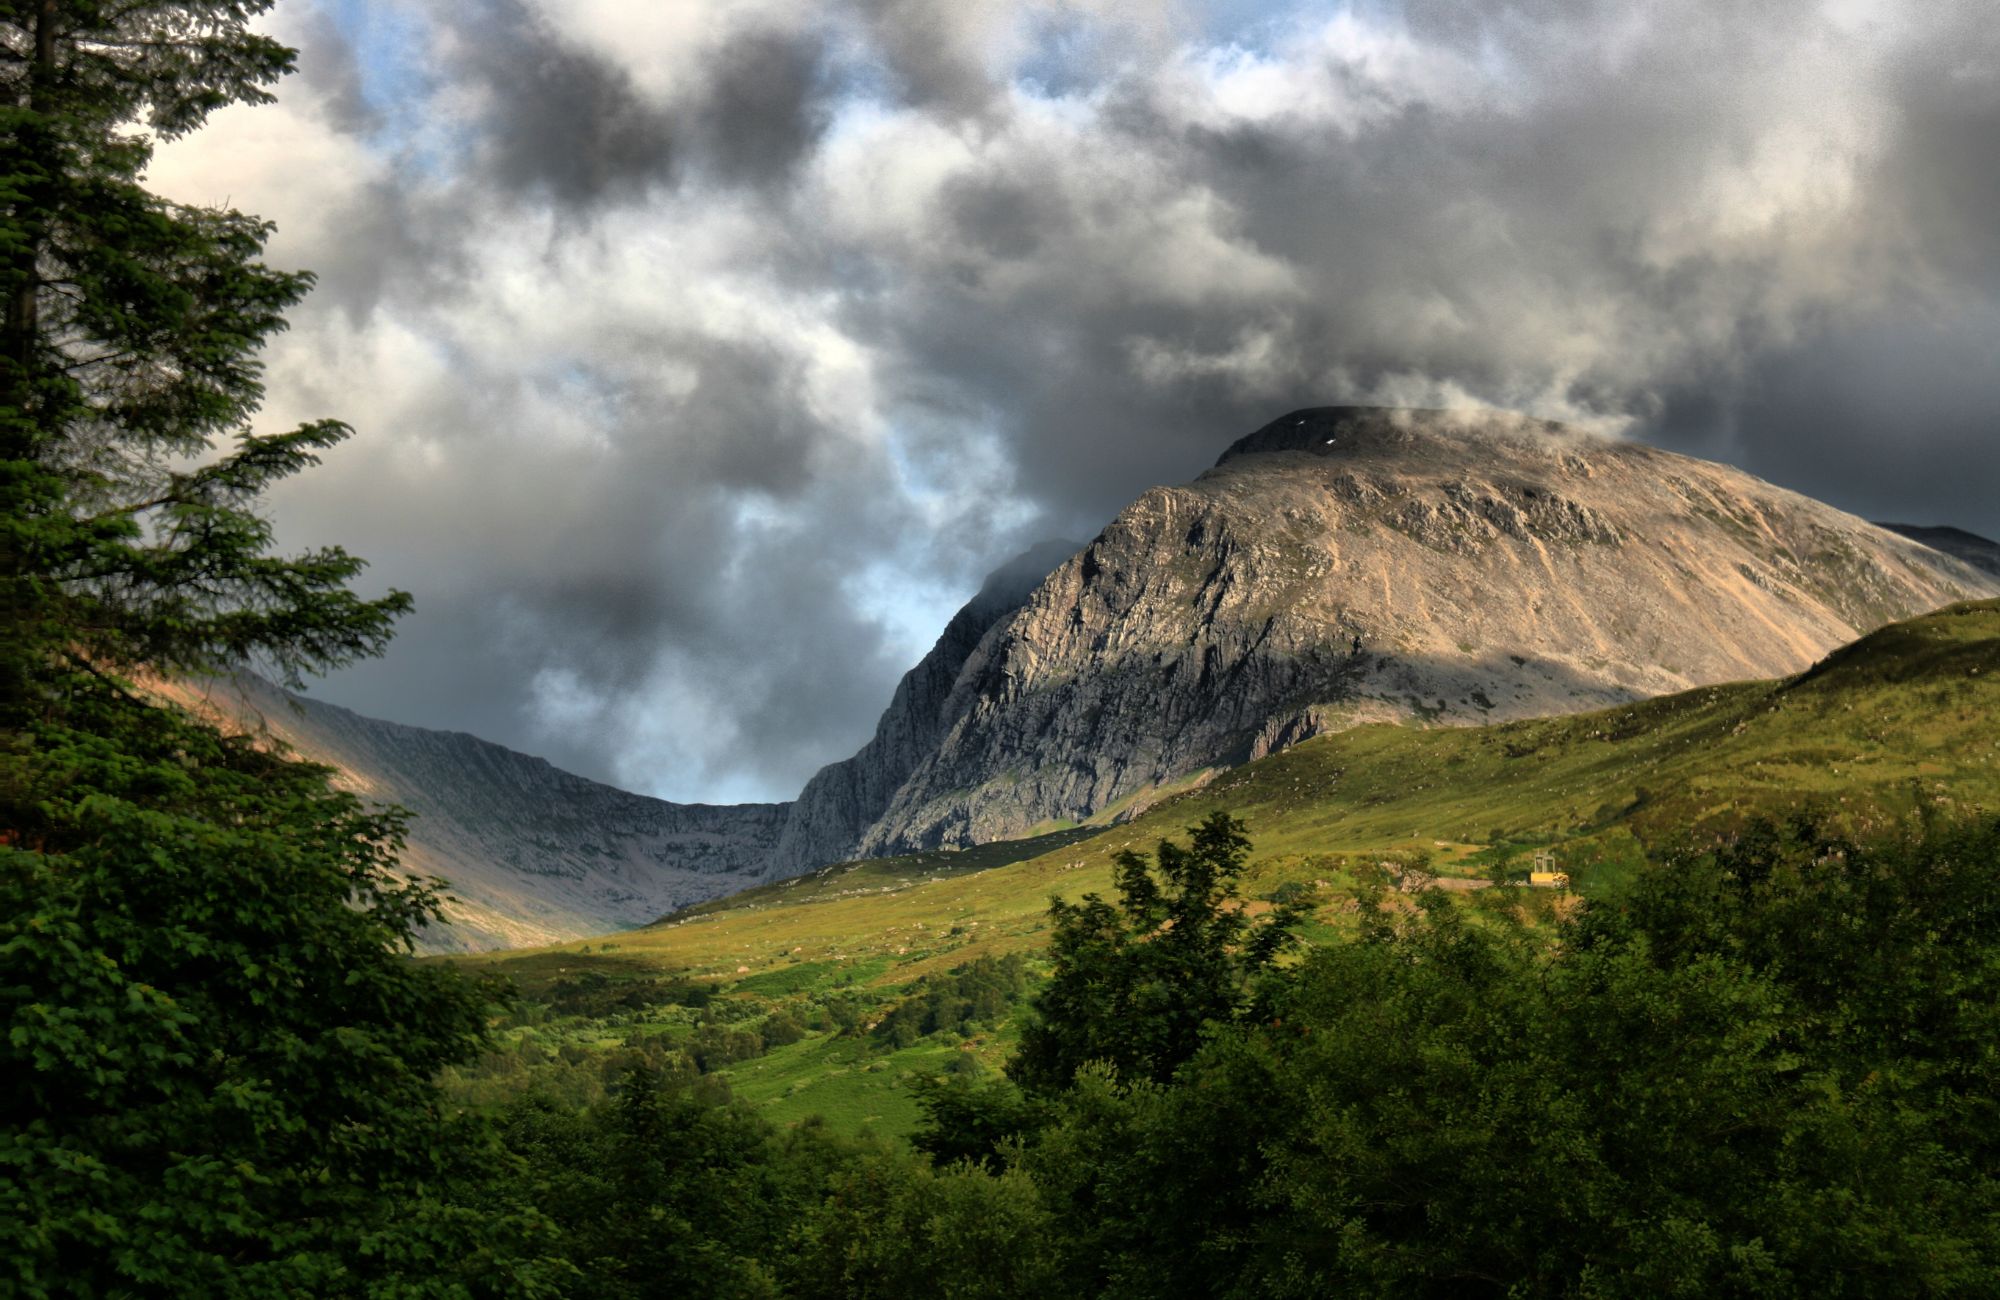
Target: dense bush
(981,991)
(1768,1070)
(595,995)
(665,1192)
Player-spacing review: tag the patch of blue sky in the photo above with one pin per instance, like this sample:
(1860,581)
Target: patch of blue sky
(907,603)
(1259,28)
(979,473)
(1073,54)
(1071,51)
(906,593)
(390,40)
(1068,57)
(1251,23)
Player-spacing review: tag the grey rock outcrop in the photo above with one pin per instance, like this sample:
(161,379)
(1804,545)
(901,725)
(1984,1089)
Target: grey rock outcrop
(844,800)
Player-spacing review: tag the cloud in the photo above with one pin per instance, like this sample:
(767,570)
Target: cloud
(704,356)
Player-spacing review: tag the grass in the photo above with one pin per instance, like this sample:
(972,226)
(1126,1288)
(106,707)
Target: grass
(1899,724)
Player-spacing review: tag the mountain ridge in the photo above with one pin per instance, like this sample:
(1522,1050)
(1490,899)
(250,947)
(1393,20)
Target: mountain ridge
(1337,566)
(532,853)
(1980,552)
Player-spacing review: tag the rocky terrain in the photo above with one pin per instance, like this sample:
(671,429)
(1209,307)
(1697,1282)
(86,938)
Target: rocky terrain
(843,800)
(1345,565)
(533,854)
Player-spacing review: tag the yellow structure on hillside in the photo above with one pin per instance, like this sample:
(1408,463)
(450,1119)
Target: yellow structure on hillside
(1545,875)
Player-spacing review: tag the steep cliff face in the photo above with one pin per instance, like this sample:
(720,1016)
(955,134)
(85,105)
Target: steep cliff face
(844,800)
(533,854)
(1344,565)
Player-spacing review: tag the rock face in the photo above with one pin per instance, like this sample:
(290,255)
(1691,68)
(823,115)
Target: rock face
(844,800)
(1344,565)
(533,854)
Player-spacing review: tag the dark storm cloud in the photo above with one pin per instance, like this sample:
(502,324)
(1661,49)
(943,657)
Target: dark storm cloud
(704,355)
(765,105)
(666,604)
(931,50)
(327,63)
(565,122)
(1582,235)
(559,121)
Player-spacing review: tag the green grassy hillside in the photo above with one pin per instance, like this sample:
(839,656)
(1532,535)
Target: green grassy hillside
(1905,721)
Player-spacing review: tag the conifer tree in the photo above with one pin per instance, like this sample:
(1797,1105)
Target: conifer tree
(129,347)
(218,1071)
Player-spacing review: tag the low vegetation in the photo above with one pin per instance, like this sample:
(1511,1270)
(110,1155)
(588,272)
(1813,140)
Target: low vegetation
(1895,727)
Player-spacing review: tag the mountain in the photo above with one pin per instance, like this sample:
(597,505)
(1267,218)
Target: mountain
(1345,565)
(536,855)
(1339,566)
(533,854)
(1975,550)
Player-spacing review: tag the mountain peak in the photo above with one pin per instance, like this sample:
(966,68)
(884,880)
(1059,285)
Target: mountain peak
(1341,430)
(1344,565)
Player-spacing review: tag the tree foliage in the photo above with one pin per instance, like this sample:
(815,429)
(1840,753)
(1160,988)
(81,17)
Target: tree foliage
(1768,1072)
(665,1192)
(1136,984)
(218,1076)
(129,346)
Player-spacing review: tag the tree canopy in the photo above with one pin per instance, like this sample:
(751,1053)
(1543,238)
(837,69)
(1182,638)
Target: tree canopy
(1134,985)
(129,347)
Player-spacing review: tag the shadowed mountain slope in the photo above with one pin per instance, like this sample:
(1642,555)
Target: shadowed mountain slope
(1979,552)
(1338,567)
(533,854)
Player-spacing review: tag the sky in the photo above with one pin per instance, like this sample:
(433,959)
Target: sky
(704,355)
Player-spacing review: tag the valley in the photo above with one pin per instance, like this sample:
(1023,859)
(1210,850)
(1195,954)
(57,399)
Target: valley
(1887,732)
(1043,820)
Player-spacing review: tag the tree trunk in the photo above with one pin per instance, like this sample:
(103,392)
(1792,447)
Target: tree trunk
(24,309)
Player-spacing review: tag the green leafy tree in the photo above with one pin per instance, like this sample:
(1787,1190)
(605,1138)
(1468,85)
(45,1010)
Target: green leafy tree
(218,1072)
(1137,984)
(970,1119)
(1767,1071)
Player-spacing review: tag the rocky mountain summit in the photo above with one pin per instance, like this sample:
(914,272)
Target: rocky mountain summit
(533,854)
(1345,565)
